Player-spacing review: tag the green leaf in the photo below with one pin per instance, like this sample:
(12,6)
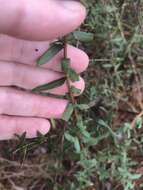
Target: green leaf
(65,63)
(69,137)
(82,106)
(73,76)
(135,176)
(75,90)
(49,54)
(77,145)
(74,141)
(139,123)
(68,112)
(83,36)
(50,85)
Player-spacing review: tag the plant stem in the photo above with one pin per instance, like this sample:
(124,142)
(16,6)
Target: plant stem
(72,98)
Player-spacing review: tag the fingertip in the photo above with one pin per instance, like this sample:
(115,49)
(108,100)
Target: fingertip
(76,8)
(82,61)
(79,85)
(19,125)
(44,127)
(79,60)
(31,126)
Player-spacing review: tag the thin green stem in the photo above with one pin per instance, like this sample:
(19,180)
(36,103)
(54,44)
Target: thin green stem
(72,98)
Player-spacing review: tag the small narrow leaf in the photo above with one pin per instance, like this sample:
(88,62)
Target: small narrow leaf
(49,54)
(82,106)
(69,137)
(77,145)
(50,85)
(68,112)
(75,90)
(139,123)
(83,36)
(74,141)
(73,76)
(65,63)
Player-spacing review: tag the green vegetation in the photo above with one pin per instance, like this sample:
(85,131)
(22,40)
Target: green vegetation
(104,150)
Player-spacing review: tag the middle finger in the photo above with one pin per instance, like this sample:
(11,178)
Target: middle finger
(28,77)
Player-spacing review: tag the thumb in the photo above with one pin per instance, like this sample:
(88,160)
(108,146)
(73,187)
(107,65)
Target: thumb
(40,20)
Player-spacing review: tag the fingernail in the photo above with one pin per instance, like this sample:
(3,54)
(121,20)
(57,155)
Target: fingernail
(72,5)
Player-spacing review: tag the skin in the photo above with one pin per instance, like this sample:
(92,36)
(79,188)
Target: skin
(26,28)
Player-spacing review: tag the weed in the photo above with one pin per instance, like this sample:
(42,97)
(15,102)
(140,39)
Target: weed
(104,150)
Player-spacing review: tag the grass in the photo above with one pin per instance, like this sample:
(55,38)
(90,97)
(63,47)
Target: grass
(104,151)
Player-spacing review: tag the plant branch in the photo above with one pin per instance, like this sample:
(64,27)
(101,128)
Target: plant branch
(73,100)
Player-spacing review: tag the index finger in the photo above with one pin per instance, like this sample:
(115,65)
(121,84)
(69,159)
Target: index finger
(40,20)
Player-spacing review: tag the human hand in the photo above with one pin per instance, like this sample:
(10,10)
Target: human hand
(26,29)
